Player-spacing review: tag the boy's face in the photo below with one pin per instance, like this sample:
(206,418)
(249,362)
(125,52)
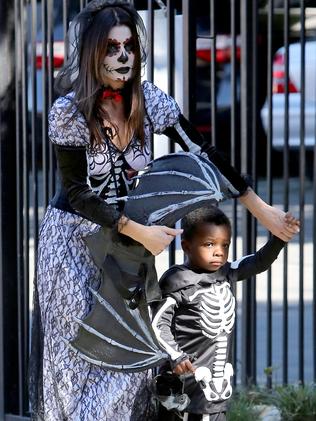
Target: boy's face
(208,249)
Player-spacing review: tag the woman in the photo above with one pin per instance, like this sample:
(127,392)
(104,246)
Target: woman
(101,127)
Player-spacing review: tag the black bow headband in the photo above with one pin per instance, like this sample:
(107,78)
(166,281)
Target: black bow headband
(96,5)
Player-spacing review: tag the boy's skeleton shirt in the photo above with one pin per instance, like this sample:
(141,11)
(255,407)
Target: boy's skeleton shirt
(217,318)
(196,318)
(217,306)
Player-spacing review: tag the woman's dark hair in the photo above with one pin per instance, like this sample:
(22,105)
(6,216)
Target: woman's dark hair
(87,39)
(204,215)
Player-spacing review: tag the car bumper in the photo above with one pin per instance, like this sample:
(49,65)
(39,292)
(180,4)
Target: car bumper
(294,121)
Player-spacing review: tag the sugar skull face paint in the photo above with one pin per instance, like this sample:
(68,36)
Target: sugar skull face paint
(119,60)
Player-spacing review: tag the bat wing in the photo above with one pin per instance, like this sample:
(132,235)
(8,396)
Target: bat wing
(115,335)
(172,186)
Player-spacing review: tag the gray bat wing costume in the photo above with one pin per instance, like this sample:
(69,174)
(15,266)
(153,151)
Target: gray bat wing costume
(196,318)
(78,371)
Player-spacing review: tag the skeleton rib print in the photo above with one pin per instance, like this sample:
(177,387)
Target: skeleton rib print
(217,309)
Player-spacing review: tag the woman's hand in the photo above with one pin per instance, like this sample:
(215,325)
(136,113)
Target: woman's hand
(184,367)
(157,238)
(281,224)
(154,238)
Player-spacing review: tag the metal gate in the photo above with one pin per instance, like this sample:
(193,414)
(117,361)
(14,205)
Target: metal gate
(244,72)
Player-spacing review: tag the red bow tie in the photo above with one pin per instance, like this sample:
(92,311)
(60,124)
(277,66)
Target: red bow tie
(109,93)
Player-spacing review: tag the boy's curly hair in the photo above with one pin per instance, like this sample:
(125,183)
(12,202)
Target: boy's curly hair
(204,215)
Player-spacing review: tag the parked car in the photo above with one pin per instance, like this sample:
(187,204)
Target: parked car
(223,86)
(223,91)
(295,97)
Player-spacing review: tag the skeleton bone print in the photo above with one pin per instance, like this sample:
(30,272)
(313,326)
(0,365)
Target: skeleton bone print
(217,311)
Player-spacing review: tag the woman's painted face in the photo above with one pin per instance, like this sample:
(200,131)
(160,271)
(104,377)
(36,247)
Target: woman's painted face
(119,60)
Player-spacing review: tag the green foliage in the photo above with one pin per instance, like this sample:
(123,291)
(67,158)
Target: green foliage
(296,403)
(241,407)
(268,371)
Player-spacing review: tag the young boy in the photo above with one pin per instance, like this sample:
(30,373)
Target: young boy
(195,320)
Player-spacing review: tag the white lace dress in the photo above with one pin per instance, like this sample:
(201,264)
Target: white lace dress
(69,388)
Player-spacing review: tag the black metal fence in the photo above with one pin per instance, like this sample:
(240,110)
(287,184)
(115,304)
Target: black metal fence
(244,73)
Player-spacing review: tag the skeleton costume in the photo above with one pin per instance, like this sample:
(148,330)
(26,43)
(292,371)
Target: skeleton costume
(196,318)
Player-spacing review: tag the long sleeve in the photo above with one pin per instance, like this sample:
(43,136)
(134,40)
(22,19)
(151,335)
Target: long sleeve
(162,326)
(258,262)
(73,167)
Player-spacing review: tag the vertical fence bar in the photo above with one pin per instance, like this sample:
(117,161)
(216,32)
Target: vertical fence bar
(34,140)
(170,53)
(269,179)
(233,90)
(247,116)
(285,354)
(253,168)
(150,33)
(33,241)
(50,42)
(150,58)
(170,72)
(23,281)
(314,257)
(301,194)
(44,116)
(9,394)
(1,288)
(65,26)
(213,71)
(233,130)
(254,127)
(19,158)
(189,64)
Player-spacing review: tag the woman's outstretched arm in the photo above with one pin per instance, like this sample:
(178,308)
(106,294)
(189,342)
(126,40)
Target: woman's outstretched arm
(279,223)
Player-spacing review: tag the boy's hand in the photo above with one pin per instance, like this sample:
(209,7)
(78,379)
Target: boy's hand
(292,222)
(184,367)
